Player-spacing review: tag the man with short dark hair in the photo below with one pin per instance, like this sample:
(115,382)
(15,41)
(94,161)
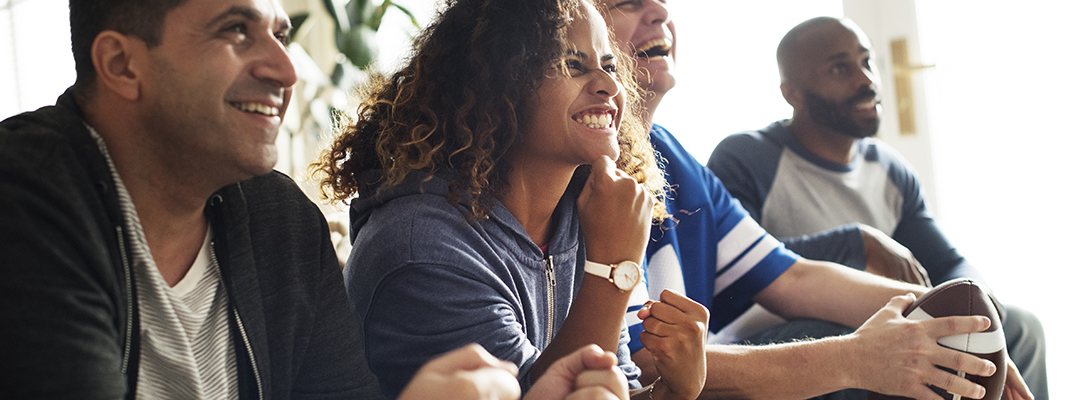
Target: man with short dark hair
(821,169)
(148,249)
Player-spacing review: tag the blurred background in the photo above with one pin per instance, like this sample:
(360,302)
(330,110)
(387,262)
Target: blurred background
(995,135)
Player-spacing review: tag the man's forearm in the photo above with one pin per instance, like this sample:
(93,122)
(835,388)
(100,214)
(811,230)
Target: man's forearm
(782,371)
(821,290)
(797,370)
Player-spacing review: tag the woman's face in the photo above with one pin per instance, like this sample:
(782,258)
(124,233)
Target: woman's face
(576,114)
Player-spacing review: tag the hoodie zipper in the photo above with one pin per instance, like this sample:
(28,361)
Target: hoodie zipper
(128,299)
(549,274)
(245,337)
(249,351)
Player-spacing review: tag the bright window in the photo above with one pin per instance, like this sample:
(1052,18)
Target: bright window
(35,49)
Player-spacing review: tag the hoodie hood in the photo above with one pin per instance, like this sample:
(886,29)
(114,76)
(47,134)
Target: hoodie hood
(373,195)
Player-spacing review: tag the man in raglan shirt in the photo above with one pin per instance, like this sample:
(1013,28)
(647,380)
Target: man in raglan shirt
(821,169)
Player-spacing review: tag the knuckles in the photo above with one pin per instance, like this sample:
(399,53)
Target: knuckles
(959,361)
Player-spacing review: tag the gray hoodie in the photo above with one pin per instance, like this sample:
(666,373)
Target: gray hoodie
(425,278)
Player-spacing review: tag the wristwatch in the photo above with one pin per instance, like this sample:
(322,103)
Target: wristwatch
(624,275)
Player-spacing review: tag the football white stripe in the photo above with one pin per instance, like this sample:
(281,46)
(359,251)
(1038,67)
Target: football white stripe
(977,343)
(960,374)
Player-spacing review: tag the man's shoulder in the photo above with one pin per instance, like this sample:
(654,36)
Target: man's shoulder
(677,159)
(43,140)
(769,137)
(272,202)
(876,150)
(272,230)
(891,163)
(755,147)
(274,185)
(48,158)
(274,191)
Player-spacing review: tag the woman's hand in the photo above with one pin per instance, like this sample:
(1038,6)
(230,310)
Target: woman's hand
(675,334)
(615,212)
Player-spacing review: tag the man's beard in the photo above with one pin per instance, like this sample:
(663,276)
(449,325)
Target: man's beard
(837,116)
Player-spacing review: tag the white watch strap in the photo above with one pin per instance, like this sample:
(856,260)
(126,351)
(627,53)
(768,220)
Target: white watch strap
(598,269)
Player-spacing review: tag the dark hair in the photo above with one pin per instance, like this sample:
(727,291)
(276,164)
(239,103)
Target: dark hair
(458,102)
(788,47)
(140,18)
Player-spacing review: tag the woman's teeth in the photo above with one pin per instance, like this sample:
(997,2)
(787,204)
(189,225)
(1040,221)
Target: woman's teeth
(595,121)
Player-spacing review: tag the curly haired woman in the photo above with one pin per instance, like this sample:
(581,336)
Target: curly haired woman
(485,181)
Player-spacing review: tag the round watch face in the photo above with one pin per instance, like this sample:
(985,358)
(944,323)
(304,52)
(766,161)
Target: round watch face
(627,275)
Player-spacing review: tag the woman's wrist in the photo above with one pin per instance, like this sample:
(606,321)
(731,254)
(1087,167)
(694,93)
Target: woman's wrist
(615,256)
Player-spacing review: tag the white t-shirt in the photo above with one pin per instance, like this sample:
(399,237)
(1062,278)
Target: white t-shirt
(186,351)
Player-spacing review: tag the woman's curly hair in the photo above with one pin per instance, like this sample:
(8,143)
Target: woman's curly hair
(458,102)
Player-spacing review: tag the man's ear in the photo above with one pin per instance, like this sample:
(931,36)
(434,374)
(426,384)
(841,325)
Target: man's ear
(117,58)
(793,94)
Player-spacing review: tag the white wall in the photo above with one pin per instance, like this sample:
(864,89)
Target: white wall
(1007,96)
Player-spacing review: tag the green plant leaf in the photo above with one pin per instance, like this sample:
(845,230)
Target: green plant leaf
(361,12)
(296,22)
(357,22)
(405,10)
(359,46)
(338,11)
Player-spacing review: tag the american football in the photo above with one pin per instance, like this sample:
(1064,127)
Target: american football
(964,297)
